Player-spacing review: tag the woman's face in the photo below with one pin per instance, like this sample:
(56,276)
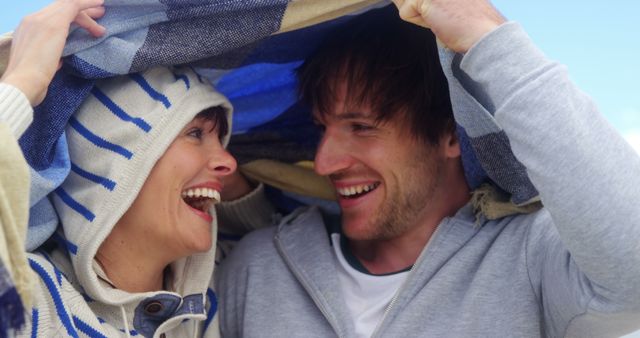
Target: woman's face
(171,212)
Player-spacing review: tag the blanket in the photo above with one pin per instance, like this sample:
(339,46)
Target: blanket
(249,51)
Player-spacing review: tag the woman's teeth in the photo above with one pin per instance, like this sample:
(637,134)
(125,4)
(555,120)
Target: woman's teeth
(202,193)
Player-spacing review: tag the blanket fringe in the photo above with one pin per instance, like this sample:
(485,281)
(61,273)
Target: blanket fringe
(491,203)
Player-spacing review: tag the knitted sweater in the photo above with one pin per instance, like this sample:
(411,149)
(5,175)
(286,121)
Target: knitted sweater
(568,270)
(15,116)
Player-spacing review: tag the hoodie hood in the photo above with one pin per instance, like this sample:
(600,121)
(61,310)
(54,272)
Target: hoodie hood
(114,139)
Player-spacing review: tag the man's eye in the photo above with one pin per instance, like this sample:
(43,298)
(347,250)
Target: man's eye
(195,132)
(360,127)
(320,126)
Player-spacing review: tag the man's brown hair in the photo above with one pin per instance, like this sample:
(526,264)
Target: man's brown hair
(388,64)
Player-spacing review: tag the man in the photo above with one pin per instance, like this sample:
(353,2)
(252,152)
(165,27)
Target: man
(410,258)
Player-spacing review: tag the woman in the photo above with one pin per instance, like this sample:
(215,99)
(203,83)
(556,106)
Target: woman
(134,251)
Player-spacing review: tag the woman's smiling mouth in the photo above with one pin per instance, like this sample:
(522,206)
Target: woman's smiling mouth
(200,200)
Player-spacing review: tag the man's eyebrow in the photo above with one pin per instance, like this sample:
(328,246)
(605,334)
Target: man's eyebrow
(352,115)
(343,116)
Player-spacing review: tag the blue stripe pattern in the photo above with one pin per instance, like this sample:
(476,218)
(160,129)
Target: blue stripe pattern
(183,78)
(55,295)
(197,75)
(152,92)
(87,329)
(105,182)
(88,300)
(213,308)
(132,332)
(97,140)
(55,269)
(46,256)
(34,323)
(58,276)
(118,111)
(72,248)
(73,204)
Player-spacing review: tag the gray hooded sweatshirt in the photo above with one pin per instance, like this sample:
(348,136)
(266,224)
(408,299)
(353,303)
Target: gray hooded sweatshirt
(571,269)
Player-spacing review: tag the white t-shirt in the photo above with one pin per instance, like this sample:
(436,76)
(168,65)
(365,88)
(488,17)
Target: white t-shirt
(367,296)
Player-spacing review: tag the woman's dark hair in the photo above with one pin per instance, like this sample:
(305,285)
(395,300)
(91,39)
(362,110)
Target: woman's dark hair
(217,115)
(388,64)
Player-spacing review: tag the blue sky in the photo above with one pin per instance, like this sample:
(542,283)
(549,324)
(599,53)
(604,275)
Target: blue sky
(598,40)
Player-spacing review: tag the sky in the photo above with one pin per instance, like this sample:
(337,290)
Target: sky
(597,40)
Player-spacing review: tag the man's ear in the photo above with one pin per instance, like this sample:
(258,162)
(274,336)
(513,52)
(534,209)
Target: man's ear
(451,145)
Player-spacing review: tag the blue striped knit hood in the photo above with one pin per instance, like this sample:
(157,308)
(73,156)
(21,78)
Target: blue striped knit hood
(114,140)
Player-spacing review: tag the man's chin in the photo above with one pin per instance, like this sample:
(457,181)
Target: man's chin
(358,230)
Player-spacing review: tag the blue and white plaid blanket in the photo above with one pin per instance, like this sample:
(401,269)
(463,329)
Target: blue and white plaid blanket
(249,50)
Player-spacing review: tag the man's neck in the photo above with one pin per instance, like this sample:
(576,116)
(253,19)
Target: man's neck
(392,255)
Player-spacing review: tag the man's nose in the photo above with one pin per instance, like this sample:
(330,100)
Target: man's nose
(332,154)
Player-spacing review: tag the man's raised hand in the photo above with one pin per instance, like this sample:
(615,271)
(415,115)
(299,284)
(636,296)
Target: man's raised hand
(459,24)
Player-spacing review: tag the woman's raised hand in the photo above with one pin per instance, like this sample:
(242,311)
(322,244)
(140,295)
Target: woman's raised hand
(38,42)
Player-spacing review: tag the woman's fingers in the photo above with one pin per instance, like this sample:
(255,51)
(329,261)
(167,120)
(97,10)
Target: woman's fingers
(84,20)
(38,42)
(95,12)
(82,5)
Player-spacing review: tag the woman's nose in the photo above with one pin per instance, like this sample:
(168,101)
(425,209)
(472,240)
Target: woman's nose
(222,163)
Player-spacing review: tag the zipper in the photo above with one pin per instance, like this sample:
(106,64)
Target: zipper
(397,294)
(313,296)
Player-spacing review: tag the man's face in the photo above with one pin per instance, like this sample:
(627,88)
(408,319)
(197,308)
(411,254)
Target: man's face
(386,180)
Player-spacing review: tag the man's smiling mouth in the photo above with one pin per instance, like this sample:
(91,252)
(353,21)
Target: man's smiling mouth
(356,191)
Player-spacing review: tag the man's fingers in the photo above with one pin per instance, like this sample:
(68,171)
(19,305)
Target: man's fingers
(409,12)
(85,21)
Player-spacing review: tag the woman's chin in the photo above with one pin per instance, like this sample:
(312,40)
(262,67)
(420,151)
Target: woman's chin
(201,244)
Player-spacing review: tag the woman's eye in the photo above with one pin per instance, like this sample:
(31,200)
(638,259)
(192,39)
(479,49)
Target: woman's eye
(195,132)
